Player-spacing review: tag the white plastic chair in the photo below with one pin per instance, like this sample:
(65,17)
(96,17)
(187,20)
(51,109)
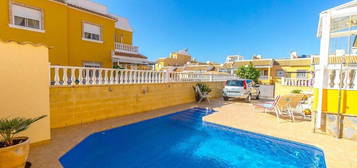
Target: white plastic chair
(203,96)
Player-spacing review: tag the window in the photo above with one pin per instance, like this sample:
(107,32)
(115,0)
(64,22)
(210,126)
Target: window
(264,73)
(27,18)
(301,74)
(91,64)
(91,32)
(234,83)
(280,73)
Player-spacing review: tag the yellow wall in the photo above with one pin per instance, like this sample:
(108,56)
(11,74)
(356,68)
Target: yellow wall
(63,33)
(24,86)
(127,36)
(55,35)
(330,101)
(284,90)
(174,59)
(81,104)
(80,50)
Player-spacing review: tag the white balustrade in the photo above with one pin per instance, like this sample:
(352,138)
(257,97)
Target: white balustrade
(67,75)
(297,82)
(121,47)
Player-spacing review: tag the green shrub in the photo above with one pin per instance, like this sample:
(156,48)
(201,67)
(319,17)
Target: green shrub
(296,91)
(204,87)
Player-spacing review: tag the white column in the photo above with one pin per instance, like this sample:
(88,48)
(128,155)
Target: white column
(73,76)
(322,76)
(111,79)
(56,77)
(80,76)
(105,77)
(100,80)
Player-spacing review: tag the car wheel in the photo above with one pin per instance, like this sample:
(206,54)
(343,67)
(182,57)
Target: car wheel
(248,98)
(225,98)
(257,96)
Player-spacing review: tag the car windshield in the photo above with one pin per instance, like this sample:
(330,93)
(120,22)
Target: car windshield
(234,83)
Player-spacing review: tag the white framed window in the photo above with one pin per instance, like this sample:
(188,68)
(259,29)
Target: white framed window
(26,18)
(280,73)
(92,32)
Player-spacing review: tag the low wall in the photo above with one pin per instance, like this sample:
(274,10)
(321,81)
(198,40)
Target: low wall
(330,106)
(283,89)
(81,104)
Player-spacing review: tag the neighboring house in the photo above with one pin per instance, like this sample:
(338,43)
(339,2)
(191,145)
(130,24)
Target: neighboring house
(78,32)
(264,65)
(176,59)
(285,74)
(233,58)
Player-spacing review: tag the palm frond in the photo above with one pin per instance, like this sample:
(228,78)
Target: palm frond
(11,127)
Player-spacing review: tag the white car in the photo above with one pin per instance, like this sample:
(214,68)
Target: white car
(241,88)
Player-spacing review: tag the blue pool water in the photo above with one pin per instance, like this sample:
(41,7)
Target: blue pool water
(183,140)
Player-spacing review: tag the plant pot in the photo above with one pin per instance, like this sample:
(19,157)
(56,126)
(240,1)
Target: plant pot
(15,156)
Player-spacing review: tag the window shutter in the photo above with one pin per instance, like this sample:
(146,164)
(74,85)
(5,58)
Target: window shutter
(89,28)
(24,12)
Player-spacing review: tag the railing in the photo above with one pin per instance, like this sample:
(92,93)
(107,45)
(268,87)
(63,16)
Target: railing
(126,48)
(67,75)
(297,82)
(264,78)
(346,80)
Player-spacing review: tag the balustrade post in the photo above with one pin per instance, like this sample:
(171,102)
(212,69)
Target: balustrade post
(86,82)
(73,77)
(111,79)
(56,77)
(116,78)
(105,76)
(80,76)
(100,78)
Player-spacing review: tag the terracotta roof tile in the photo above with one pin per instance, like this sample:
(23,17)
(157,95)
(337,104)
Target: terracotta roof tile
(130,55)
(336,60)
(294,62)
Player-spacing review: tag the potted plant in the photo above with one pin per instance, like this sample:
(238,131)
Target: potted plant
(14,150)
(204,88)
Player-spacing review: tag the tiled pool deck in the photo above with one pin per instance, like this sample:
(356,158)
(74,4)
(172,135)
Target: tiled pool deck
(339,153)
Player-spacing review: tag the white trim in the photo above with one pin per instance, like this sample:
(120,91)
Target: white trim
(26,28)
(95,41)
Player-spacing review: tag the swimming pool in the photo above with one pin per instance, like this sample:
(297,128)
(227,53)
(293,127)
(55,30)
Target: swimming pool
(183,140)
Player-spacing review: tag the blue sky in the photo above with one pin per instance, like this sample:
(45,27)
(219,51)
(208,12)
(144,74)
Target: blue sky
(213,29)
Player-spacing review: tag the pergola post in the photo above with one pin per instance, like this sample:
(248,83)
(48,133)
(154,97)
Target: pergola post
(322,75)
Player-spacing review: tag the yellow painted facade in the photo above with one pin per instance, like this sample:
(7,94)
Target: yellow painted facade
(82,104)
(174,59)
(123,36)
(24,90)
(284,90)
(330,101)
(63,32)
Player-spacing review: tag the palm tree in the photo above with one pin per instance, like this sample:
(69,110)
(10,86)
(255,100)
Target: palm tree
(10,127)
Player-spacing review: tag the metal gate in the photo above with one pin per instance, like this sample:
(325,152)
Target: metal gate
(267,91)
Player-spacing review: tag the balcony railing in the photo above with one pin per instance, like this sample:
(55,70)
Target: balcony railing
(126,48)
(297,82)
(345,79)
(265,78)
(66,75)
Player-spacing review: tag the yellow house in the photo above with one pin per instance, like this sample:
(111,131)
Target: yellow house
(177,58)
(266,67)
(285,74)
(78,32)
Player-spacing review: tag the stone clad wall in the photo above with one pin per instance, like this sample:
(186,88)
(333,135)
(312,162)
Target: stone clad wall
(81,104)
